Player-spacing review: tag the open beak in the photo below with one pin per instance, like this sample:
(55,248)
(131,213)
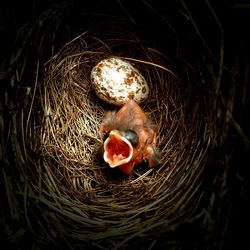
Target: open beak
(117,149)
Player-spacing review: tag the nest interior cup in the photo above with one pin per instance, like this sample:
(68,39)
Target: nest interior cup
(60,186)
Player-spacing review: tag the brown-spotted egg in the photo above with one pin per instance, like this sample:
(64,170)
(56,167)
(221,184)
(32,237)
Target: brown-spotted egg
(116,81)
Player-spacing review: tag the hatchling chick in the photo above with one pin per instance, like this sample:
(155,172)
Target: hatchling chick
(129,138)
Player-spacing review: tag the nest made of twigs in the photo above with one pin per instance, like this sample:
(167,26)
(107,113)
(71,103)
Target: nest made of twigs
(87,200)
(57,192)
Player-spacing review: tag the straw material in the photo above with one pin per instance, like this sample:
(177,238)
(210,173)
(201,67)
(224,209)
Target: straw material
(95,202)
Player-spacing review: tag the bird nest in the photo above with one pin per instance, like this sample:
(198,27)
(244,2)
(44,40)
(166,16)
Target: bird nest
(87,199)
(69,195)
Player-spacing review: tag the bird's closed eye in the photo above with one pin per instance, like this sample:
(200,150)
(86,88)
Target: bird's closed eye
(131,136)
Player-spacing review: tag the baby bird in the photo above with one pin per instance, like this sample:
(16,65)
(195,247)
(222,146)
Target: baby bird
(129,138)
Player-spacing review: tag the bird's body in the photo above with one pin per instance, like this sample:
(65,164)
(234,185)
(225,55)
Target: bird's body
(130,138)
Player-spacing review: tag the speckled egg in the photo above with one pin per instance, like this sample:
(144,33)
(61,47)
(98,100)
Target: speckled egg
(116,81)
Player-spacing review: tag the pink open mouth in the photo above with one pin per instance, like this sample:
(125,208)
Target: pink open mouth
(117,150)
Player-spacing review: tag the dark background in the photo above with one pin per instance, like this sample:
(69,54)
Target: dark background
(22,24)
